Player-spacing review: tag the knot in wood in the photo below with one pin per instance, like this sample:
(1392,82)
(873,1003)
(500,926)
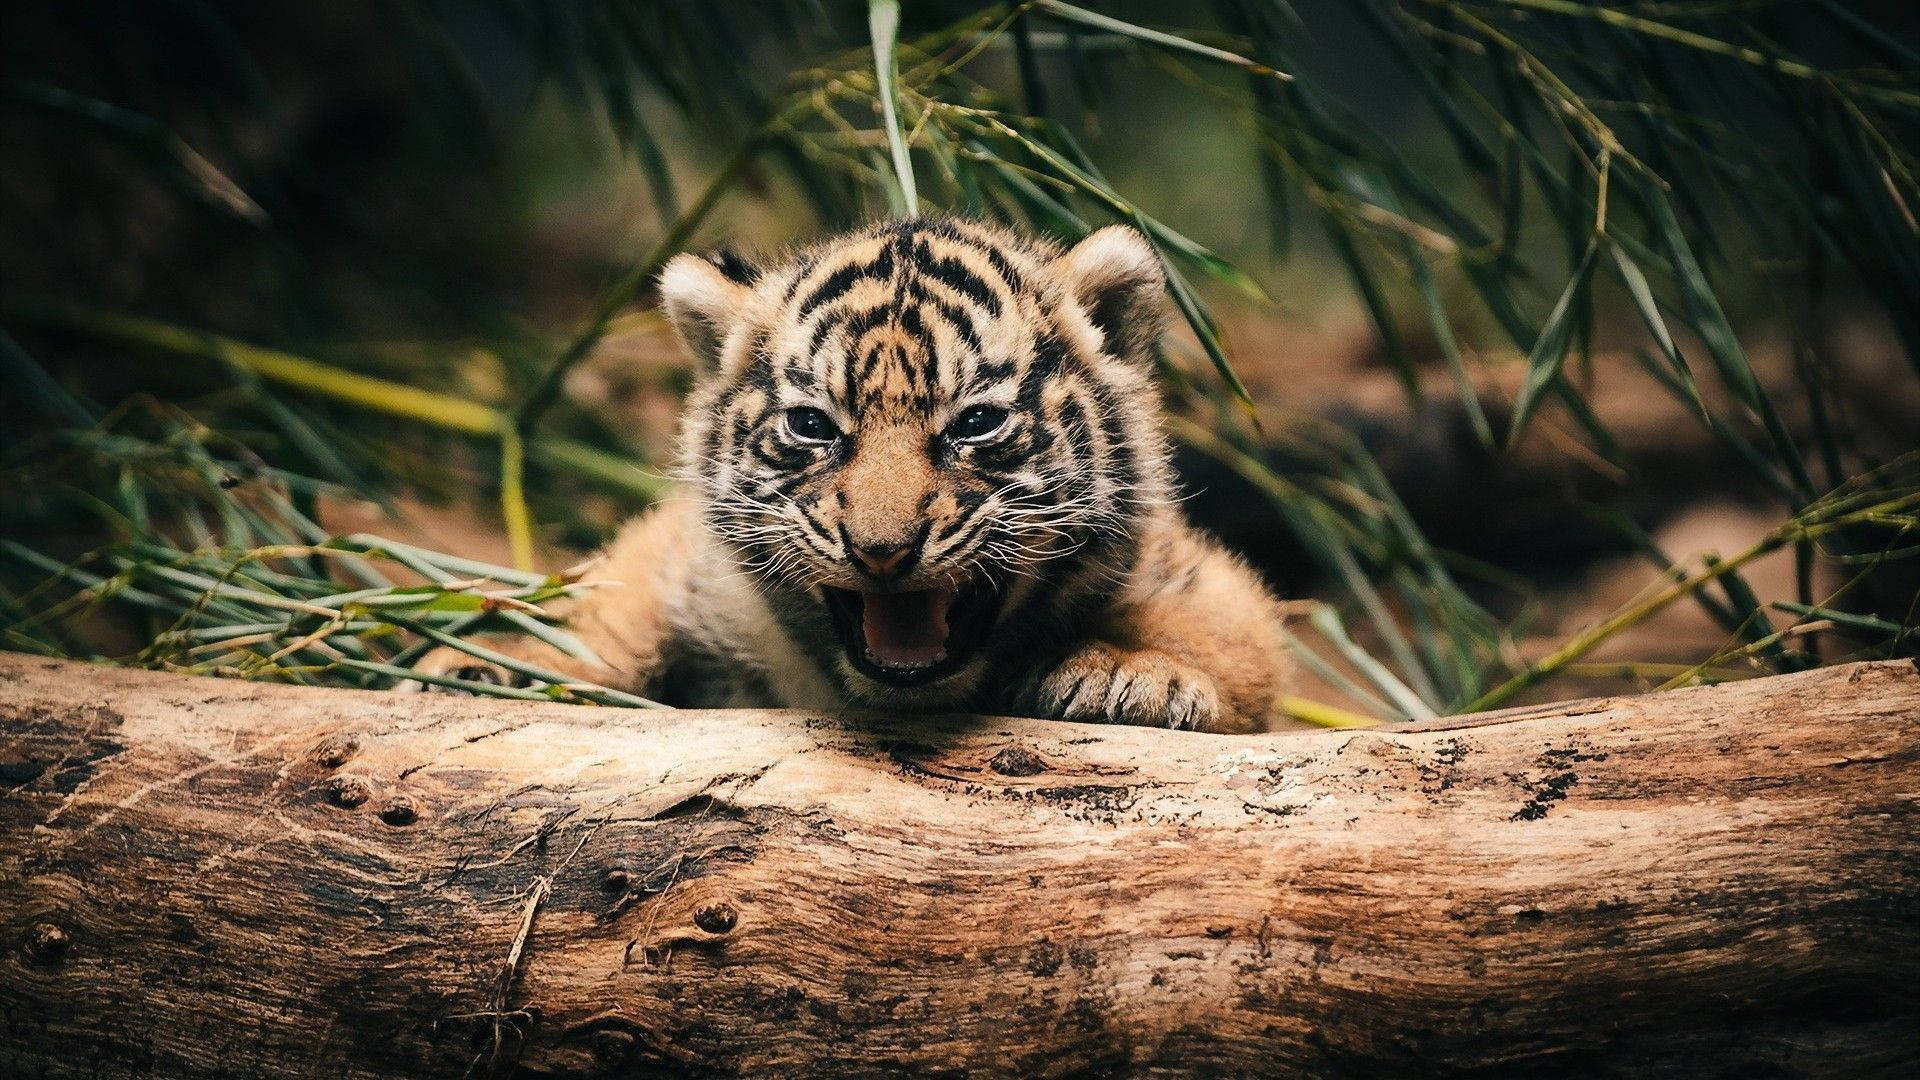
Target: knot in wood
(47,942)
(716,917)
(1016,761)
(348,792)
(337,749)
(400,810)
(612,1046)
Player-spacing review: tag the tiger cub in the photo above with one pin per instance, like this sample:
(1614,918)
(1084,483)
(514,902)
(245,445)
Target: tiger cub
(924,469)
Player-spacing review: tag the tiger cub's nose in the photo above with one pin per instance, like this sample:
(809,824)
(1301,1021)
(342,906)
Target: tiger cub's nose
(882,559)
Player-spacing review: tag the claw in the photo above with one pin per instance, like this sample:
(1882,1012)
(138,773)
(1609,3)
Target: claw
(1103,684)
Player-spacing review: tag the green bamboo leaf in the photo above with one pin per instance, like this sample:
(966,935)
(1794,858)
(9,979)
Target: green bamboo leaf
(1449,346)
(653,163)
(1069,13)
(883,23)
(1550,348)
(478,689)
(1710,322)
(521,667)
(1642,294)
(1334,677)
(1040,205)
(1703,307)
(1203,328)
(181,164)
(436,566)
(1031,84)
(554,636)
(1375,300)
(1327,621)
(1877,628)
(1473,149)
(1765,470)
(1754,624)
(1256,24)
(1623,524)
(26,375)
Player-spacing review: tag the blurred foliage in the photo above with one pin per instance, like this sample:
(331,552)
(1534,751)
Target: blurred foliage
(1662,162)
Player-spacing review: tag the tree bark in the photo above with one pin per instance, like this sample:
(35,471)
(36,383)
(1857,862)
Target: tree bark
(205,878)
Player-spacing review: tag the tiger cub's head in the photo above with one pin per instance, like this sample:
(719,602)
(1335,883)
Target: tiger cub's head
(920,432)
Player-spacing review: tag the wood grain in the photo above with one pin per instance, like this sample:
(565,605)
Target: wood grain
(207,878)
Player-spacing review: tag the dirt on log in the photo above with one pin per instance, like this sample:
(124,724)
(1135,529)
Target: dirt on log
(203,878)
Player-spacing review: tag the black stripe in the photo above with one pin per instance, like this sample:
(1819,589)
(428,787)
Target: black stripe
(800,274)
(988,373)
(962,323)
(954,274)
(861,322)
(1016,284)
(955,315)
(1073,419)
(788,484)
(765,412)
(841,281)
(825,326)
(974,526)
(1009,453)
(1113,427)
(974,497)
(911,322)
(833,288)
(799,376)
(812,522)
(775,456)
(735,268)
(1049,358)
(759,373)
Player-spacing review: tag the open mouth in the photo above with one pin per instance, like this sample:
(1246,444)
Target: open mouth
(911,638)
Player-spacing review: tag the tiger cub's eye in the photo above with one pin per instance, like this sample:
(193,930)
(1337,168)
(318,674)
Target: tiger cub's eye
(977,423)
(809,424)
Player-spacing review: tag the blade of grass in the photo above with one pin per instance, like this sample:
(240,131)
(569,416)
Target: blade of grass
(1327,621)
(1550,348)
(1704,43)
(1642,295)
(883,24)
(1097,21)
(521,667)
(1449,347)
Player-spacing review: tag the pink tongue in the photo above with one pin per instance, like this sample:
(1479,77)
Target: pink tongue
(906,630)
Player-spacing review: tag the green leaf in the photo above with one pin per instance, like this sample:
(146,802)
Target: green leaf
(1154,37)
(883,23)
(1327,621)
(1203,328)
(1642,294)
(1375,300)
(1449,346)
(1550,348)
(1710,322)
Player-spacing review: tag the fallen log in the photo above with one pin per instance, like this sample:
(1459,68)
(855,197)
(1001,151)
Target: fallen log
(204,878)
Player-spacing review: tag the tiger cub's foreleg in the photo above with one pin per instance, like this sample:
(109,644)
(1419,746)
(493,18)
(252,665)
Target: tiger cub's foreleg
(1193,642)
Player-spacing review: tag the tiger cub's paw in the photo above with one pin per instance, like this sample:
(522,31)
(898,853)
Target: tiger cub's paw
(1102,684)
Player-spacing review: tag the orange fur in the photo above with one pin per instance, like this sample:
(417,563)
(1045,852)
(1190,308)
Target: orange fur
(1057,524)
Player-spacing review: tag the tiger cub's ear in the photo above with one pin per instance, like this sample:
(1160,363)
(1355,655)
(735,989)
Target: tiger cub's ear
(703,297)
(1116,276)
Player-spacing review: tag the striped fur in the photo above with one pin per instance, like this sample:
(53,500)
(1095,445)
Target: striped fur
(833,418)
